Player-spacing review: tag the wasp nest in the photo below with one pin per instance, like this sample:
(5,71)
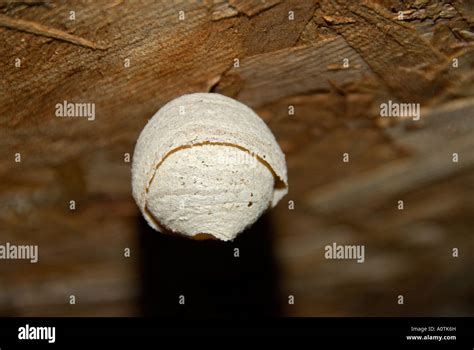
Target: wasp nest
(206,166)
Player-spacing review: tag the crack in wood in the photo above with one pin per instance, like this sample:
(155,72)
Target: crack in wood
(39,29)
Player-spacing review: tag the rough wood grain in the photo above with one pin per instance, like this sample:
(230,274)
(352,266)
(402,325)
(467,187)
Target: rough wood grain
(403,60)
(265,78)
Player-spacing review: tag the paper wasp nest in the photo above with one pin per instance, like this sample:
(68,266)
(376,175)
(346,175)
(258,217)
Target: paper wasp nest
(206,166)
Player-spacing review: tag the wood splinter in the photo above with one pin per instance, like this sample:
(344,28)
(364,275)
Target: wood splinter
(39,29)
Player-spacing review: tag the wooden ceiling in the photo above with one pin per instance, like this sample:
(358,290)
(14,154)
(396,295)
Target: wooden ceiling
(334,63)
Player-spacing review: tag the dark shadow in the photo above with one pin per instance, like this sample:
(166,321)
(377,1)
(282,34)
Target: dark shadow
(215,284)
